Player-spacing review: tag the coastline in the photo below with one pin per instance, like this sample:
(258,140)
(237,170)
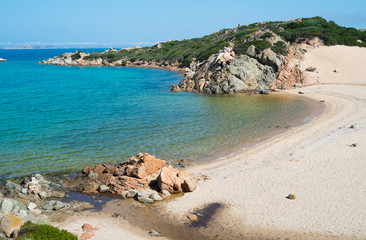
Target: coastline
(314,161)
(252,186)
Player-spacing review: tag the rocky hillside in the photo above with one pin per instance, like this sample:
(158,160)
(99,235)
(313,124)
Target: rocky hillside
(259,57)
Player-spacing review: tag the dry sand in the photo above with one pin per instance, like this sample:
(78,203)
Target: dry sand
(315,162)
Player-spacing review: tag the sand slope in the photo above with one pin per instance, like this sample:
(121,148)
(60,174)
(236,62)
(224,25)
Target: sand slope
(349,62)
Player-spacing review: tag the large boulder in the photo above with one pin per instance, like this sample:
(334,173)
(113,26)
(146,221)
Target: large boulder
(189,184)
(142,165)
(170,179)
(6,205)
(10,225)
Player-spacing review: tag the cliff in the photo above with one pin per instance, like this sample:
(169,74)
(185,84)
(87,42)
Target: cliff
(260,57)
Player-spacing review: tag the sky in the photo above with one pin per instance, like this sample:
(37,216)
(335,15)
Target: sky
(119,23)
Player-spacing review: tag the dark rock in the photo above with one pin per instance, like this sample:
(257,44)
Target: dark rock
(301,93)
(310,69)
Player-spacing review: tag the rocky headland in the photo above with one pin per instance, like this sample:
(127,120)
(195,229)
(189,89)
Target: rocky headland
(260,58)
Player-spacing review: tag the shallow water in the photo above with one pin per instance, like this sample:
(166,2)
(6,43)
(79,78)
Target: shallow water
(56,119)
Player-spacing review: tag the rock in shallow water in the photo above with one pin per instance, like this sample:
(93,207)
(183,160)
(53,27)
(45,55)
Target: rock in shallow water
(145,200)
(156,197)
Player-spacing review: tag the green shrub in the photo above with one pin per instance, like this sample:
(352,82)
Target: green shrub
(93,56)
(42,232)
(266,35)
(280,47)
(76,55)
(258,44)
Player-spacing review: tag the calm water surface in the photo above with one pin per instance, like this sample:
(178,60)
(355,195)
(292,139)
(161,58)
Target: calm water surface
(56,119)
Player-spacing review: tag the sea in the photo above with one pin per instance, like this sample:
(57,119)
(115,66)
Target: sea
(59,119)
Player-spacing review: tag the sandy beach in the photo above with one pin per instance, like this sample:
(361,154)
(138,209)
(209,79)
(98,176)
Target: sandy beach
(322,163)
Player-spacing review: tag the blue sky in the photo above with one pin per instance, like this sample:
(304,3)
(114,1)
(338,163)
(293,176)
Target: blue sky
(124,23)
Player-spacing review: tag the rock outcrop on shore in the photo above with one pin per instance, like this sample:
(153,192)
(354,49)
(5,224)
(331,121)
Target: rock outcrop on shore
(225,72)
(143,177)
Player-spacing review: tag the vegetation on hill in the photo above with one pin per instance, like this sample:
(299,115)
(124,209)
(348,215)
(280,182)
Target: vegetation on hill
(242,37)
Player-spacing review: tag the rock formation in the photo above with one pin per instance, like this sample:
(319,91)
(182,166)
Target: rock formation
(225,72)
(142,176)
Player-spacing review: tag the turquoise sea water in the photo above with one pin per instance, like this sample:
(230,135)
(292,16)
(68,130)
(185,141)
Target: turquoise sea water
(56,119)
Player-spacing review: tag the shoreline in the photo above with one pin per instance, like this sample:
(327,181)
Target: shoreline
(315,161)
(318,162)
(268,135)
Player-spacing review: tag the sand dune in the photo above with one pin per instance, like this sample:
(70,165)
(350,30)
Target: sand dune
(349,63)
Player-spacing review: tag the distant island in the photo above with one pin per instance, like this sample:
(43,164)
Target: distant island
(27,46)
(261,57)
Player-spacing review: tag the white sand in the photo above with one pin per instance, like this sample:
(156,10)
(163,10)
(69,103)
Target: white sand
(349,62)
(314,162)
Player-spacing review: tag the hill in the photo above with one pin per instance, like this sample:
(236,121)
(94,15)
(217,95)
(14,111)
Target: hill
(243,59)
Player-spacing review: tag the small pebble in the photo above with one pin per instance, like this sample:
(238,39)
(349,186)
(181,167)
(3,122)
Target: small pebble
(291,196)
(193,218)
